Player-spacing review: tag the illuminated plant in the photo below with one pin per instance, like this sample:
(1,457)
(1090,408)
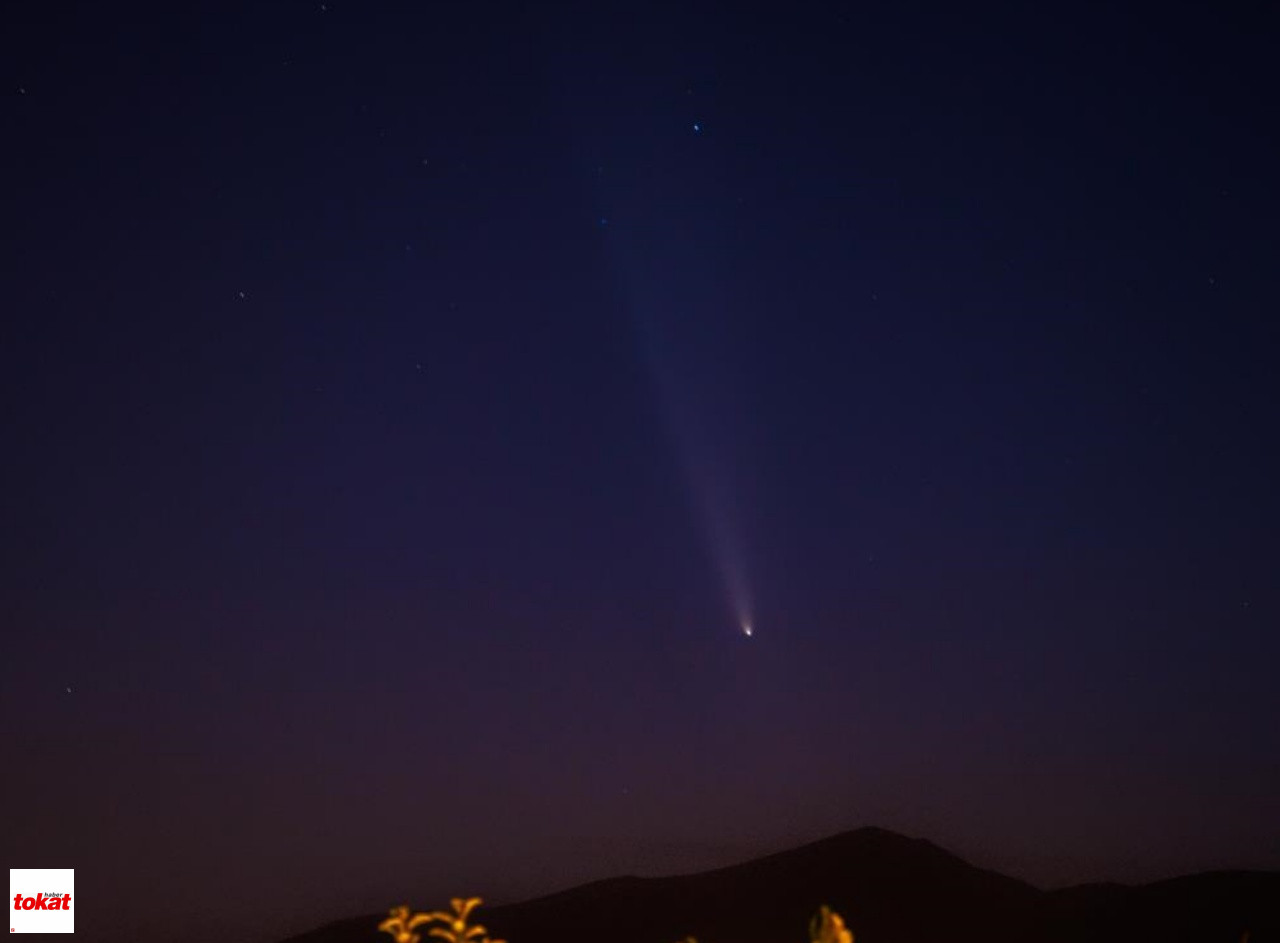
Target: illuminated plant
(828,927)
(456,929)
(401,925)
(825,927)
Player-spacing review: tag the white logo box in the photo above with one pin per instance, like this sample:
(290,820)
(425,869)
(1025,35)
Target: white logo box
(40,884)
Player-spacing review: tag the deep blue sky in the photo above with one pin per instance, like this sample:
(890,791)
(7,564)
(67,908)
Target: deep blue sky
(401,409)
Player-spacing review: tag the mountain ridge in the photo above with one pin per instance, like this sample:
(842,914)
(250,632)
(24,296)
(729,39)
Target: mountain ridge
(889,887)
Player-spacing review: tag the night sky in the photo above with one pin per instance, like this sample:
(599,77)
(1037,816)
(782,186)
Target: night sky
(406,407)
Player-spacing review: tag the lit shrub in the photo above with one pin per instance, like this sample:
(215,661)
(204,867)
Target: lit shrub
(826,926)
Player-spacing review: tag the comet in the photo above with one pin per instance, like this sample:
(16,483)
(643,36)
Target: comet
(680,316)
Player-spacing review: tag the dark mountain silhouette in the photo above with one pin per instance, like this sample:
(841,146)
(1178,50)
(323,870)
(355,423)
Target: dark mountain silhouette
(889,888)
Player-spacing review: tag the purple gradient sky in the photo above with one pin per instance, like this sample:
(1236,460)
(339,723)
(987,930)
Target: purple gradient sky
(394,398)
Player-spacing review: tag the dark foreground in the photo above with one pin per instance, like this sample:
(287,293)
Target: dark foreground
(890,889)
